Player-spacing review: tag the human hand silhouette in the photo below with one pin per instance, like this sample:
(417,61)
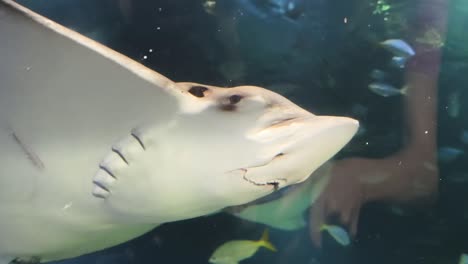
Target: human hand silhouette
(341,200)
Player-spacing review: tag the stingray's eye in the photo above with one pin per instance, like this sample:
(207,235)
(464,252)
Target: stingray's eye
(198,91)
(234,99)
(229,103)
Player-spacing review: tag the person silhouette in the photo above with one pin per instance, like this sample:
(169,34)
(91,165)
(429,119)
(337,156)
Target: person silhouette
(409,176)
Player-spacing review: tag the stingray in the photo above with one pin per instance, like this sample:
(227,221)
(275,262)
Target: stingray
(96,149)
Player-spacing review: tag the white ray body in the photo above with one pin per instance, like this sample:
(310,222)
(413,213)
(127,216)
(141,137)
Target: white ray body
(96,149)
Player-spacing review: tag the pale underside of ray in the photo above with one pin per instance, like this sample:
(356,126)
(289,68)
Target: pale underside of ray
(64,100)
(57,93)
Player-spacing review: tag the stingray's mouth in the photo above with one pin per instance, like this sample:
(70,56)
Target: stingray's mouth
(274,183)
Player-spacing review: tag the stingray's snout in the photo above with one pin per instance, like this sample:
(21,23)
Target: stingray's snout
(330,128)
(299,146)
(322,136)
(317,140)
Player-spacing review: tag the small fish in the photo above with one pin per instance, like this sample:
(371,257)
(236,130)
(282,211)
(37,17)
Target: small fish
(448,154)
(378,75)
(234,251)
(398,47)
(338,233)
(457,177)
(209,6)
(289,9)
(398,62)
(386,90)
(463,259)
(381,7)
(453,104)
(464,137)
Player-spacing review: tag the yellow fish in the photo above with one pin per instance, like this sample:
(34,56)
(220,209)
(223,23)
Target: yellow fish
(234,251)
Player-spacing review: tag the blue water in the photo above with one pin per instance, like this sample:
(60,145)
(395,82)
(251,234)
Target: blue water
(326,63)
